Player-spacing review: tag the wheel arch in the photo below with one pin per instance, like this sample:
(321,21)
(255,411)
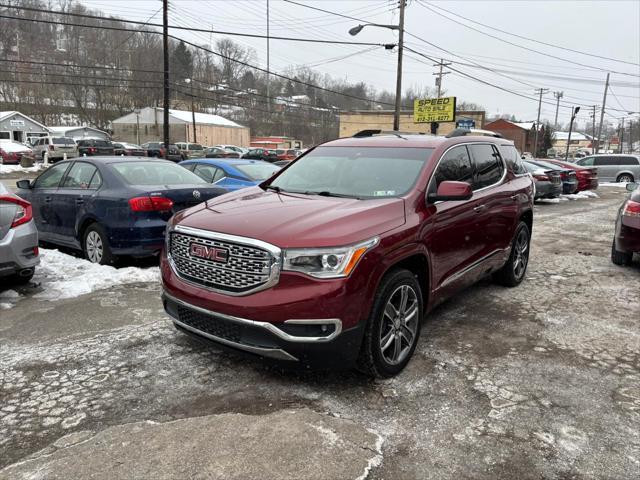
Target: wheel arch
(527,217)
(625,172)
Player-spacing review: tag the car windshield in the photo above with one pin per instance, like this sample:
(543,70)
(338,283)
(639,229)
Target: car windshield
(155,173)
(63,141)
(258,171)
(361,172)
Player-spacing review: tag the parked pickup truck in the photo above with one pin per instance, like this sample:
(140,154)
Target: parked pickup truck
(335,260)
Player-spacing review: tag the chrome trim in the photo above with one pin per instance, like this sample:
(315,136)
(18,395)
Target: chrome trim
(276,353)
(504,170)
(274,269)
(270,327)
(457,275)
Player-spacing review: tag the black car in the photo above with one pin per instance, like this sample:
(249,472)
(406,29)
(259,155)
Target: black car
(156,149)
(261,154)
(568,176)
(547,181)
(89,147)
(112,206)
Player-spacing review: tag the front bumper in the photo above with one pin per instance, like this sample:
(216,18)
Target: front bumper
(314,342)
(17,249)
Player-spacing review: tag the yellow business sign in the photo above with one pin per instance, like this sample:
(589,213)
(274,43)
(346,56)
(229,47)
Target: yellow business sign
(429,110)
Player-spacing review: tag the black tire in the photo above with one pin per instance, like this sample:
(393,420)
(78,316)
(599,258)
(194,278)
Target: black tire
(95,245)
(620,258)
(514,271)
(625,177)
(372,359)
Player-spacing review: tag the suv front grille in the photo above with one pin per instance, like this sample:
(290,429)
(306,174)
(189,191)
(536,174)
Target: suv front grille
(240,270)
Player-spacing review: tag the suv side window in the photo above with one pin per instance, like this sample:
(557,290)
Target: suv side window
(512,158)
(488,165)
(455,165)
(51,178)
(628,161)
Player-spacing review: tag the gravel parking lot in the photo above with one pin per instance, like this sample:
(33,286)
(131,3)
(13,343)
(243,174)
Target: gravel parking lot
(541,381)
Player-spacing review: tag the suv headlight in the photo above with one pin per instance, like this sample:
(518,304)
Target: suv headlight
(326,262)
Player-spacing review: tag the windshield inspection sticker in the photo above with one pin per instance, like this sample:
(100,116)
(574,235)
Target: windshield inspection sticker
(384,193)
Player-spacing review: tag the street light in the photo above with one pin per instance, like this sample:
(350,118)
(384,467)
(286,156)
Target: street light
(573,117)
(400,27)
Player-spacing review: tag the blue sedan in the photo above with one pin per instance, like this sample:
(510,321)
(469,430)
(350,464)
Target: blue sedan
(231,174)
(111,206)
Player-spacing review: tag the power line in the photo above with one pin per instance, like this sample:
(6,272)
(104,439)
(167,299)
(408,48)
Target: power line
(527,38)
(522,46)
(190,29)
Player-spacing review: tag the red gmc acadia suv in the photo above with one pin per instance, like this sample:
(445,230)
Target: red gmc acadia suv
(337,258)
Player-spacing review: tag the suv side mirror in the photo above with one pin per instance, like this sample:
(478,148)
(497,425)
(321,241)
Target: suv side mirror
(24,184)
(631,186)
(449,190)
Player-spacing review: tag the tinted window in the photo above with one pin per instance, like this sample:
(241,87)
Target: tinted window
(96,181)
(63,141)
(355,171)
(206,172)
(455,166)
(258,171)
(79,176)
(488,165)
(155,173)
(51,178)
(512,158)
(628,161)
(102,143)
(195,146)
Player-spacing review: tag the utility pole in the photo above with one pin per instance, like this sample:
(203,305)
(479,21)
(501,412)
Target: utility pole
(441,64)
(268,61)
(558,96)
(593,129)
(396,115)
(622,137)
(165,48)
(193,113)
(541,91)
(574,112)
(604,104)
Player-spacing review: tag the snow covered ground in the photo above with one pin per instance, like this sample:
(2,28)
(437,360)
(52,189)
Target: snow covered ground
(613,184)
(572,196)
(64,276)
(6,169)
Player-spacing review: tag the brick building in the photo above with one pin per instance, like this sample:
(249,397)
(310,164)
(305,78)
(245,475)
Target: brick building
(522,134)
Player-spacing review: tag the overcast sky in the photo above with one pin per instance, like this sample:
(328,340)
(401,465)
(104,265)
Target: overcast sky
(605,28)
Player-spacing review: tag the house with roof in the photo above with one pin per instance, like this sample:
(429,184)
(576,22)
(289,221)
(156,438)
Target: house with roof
(18,127)
(145,125)
(521,133)
(78,133)
(579,141)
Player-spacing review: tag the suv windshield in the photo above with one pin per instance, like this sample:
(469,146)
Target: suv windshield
(155,173)
(354,171)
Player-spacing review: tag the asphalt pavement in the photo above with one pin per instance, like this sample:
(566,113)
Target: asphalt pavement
(540,381)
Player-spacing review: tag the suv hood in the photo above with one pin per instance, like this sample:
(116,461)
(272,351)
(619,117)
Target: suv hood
(292,220)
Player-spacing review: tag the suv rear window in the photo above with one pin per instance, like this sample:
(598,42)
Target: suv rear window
(195,146)
(155,173)
(360,172)
(62,141)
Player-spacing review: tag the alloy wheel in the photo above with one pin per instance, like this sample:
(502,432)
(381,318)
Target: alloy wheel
(399,324)
(521,254)
(625,179)
(94,247)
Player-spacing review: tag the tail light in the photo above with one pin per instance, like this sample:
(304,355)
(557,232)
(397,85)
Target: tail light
(93,150)
(24,213)
(631,209)
(151,204)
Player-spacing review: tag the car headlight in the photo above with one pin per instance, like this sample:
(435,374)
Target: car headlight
(326,262)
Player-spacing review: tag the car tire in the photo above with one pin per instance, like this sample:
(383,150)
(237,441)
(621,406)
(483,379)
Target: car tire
(625,177)
(393,328)
(620,258)
(95,245)
(513,272)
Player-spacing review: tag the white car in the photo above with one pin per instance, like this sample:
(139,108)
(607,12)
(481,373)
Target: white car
(233,148)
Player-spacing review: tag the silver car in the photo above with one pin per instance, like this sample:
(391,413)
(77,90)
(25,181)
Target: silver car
(18,238)
(614,167)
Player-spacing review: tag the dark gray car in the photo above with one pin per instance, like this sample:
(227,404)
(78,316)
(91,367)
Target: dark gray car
(18,238)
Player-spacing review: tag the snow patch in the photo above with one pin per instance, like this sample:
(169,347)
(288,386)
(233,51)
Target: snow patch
(581,195)
(376,460)
(548,200)
(613,184)
(6,169)
(64,276)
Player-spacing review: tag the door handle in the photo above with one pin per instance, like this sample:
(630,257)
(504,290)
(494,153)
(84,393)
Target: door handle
(79,201)
(479,208)
(47,199)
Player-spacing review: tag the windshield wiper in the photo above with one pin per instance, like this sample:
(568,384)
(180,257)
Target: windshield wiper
(326,193)
(275,188)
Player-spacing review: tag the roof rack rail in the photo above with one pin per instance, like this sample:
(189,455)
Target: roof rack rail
(372,132)
(461,132)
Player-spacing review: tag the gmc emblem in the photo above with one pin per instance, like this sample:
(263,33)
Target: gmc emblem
(208,253)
